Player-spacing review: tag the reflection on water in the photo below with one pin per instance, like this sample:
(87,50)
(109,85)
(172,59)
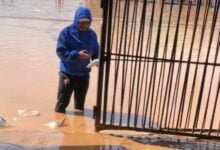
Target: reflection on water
(199,145)
(189,145)
(103,147)
(4,146)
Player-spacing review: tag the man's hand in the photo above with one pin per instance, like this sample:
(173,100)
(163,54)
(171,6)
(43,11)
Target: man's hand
(83,54)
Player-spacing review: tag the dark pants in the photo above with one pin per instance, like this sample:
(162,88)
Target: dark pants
(67,85)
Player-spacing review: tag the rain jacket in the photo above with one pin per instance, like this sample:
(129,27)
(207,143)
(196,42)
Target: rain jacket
(71,41)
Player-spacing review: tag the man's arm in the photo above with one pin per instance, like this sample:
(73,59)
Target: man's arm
(62,51)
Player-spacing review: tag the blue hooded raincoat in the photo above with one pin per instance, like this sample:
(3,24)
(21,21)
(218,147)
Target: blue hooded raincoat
(71,41)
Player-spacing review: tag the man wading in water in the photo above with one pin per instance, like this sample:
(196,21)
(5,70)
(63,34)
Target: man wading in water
(77,45)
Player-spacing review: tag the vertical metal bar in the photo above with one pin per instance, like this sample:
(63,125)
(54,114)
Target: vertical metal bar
(172,64)
(179,70)
(182,104)
(147,54)
(218,129)
(205,69)
(188,64)
(210,86)
(140,46)
(117,10)
(214,109)
(118,62)
(124,65)
(131,85)
(135,73)
(107,58)
(102,3)
(114,23)
(101,66)
(135,15)
(132,34)
(163,67)
(189,111)
(154,66)
(198,56)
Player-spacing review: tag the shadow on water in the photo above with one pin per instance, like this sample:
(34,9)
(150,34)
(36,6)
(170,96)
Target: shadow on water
(9,146)
(198,144)
(89,114)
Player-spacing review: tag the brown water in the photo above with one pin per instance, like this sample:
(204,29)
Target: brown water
(29,79)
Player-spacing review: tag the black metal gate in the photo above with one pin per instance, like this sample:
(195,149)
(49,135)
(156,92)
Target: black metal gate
(160,67)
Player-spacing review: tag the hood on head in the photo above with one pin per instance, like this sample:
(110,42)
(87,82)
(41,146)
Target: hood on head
(82,12)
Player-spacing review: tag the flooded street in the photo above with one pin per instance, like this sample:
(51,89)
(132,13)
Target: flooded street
(29,81)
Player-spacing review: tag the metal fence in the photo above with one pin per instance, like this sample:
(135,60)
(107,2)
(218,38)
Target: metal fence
(160,67)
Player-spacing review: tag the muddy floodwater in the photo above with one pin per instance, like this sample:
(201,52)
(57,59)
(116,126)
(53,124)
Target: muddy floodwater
(29,82)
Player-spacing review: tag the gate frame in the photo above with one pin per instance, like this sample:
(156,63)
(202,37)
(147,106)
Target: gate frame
(106,5)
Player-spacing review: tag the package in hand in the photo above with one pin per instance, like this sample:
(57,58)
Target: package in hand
(95,62)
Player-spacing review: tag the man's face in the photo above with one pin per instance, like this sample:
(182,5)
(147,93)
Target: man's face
(83,25)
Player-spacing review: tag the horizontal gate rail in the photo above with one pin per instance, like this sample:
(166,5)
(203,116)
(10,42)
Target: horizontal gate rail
(120,57)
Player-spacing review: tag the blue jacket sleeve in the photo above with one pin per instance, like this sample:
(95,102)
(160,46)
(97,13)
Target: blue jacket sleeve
(96,48)
(63,53)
